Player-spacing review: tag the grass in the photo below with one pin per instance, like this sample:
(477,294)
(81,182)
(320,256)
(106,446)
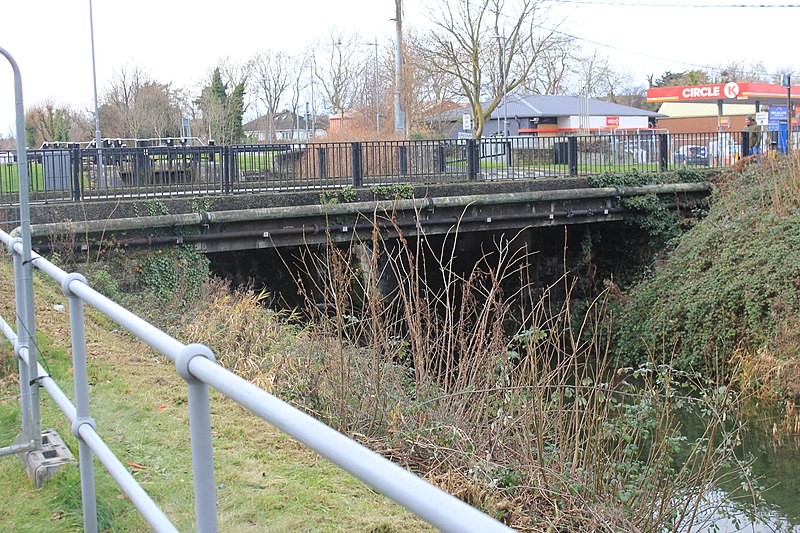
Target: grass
(9,177)
(267,482)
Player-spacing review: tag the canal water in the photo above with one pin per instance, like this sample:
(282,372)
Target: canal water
(771,444)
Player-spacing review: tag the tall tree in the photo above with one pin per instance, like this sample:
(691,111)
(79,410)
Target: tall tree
(489,47)
(50,122)
(688,77)
(338,68)
(427,91)
(552,72)
(136,106)
(222,110)
(274,73)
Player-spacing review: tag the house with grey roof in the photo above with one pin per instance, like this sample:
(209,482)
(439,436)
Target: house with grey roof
(538,114)
(287,127)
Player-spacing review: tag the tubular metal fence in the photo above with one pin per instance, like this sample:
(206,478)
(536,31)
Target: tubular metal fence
(196,365)
(72,173)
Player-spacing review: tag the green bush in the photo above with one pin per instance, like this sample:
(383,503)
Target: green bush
(727,285)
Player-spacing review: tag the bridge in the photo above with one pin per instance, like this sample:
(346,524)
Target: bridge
(228,198)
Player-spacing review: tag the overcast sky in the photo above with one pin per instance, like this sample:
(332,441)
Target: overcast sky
(181,40)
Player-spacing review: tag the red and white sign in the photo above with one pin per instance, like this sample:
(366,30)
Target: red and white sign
(732,92)
(612,122)
(724,122)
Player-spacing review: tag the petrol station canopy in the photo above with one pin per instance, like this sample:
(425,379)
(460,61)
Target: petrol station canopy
(727,93)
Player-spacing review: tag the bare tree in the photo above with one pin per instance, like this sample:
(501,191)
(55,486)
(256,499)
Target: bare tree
(338,69)
(136,106)
(741,71)
(489,47)
(552,73)
(274,74)
(427,91)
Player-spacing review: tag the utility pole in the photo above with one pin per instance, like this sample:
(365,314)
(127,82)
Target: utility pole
(399,113)
(311,66)
(377,92)
(97,137)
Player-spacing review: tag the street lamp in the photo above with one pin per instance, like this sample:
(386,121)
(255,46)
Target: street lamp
(377,107)
(97,138)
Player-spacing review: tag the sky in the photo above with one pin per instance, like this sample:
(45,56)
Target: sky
(182,40)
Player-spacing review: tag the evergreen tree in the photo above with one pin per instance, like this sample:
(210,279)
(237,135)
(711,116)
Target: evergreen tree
(222,111)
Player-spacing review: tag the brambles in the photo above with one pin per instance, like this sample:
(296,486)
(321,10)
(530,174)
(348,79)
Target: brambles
(730,285)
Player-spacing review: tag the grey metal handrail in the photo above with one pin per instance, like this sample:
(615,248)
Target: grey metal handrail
(195,363)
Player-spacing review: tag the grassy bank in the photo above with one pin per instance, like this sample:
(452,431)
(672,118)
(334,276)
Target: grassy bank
(727,297)
(266,481)
(498,391)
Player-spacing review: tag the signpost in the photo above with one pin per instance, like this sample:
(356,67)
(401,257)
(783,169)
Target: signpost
(787,82)
(466,122)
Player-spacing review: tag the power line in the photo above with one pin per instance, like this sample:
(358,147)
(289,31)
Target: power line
(612,47)
(700,6)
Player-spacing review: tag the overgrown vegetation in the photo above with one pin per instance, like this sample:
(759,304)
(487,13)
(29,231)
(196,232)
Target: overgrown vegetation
(534,427)
(729,293)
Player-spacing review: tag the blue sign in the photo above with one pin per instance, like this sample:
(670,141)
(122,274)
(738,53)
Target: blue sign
(777,112)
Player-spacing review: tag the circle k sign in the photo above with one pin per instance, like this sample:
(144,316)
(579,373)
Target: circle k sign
(731,90)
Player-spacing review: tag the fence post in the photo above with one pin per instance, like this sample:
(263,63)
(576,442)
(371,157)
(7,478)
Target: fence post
(322,163)
(225,156)
(663,152)
(473,159)
(205,488)
(357,164)
(24,370)
(80,376)
(442,160)
(509,159)
(403,155)
(572,155)
(744,147)
(75,171)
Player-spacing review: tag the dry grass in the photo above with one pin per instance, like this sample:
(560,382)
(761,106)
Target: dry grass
(531,426)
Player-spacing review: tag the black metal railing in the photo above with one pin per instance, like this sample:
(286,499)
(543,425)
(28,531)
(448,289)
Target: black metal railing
(74,173)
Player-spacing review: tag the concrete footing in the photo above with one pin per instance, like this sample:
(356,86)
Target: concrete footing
(43,464)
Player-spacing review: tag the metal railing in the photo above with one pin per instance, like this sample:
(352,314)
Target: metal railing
(196,365)
(71,172)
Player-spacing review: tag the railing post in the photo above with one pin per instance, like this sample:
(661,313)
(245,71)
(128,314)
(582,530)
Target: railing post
(403,155)
(663,152)
(442,156)
(80,376)
(205,488)
(28,434)
(744,147)
(357,164)
(509,159)
(322,163)
(75,171)
(473,159)
(225,156)
(572,155)
(26,317)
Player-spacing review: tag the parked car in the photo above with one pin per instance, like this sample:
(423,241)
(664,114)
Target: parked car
(690,154)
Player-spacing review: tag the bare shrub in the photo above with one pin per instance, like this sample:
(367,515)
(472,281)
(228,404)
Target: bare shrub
(532,426)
